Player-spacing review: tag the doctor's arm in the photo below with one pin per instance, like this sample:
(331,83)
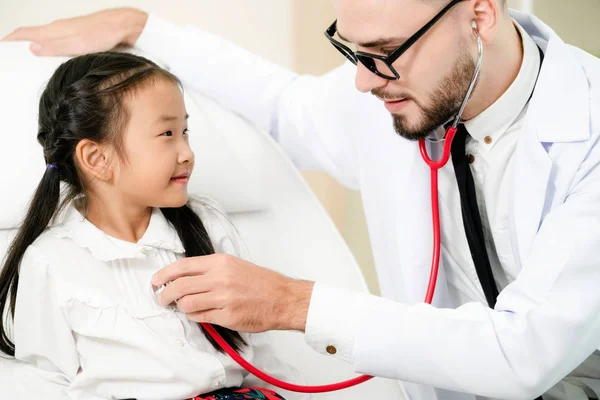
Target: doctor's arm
(44,344)
(545,324)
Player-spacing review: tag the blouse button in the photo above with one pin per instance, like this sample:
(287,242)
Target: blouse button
(217,383)
(180,342)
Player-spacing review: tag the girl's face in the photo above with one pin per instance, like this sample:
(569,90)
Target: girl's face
(158,160)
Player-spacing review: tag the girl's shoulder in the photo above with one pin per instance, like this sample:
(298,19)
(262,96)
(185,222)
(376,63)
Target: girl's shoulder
(52,260)
(57,248)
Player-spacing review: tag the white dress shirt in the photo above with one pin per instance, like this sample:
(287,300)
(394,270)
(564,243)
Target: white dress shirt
(493,137)
(87,325)
(458,344)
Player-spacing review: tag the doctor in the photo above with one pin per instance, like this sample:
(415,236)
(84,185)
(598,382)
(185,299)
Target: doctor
(516,313)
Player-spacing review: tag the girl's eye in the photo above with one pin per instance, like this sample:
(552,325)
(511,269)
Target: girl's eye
(167,133)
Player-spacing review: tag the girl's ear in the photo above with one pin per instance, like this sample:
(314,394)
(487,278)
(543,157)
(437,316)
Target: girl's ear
(93,160)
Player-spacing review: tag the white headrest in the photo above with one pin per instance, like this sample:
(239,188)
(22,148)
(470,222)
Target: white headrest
(219,173)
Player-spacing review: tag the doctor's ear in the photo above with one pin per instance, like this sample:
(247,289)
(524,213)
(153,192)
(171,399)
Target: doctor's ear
(93,160)
(487,16)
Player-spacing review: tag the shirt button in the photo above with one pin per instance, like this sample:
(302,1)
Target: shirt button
(471,158)
(487,140)
(331,350)
(180,342)
(217,383)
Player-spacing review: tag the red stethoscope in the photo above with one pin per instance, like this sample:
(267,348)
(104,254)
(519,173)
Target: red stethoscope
(434,167)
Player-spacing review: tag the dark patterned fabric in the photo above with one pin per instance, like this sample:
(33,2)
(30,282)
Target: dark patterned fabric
(241,394)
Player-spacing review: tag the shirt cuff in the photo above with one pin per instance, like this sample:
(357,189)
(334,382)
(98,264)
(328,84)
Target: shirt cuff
(332,321)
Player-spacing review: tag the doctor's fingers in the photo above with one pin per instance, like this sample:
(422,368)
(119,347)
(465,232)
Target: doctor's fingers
(185,286)
(199,303)
(191,266)
(71,37)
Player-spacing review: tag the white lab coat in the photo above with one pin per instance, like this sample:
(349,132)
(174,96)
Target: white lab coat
(541,328)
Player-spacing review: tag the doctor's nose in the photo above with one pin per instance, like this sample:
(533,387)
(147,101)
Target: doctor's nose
(366,81)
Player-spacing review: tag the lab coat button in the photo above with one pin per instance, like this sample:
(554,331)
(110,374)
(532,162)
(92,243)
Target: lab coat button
(331,350)
(487,140)
(471,158)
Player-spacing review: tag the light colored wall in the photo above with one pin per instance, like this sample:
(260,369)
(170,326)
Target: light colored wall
(577,22)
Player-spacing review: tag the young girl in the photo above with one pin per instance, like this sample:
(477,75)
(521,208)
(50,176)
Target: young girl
(76,281)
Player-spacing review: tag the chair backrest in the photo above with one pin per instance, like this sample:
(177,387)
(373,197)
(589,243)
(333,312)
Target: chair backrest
(289,232)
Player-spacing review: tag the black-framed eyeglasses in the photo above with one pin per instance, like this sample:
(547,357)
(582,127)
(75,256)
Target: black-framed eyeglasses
(378,64)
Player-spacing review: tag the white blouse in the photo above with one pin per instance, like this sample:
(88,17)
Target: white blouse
(87,325)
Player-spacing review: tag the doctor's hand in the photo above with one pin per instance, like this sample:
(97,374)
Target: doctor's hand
(227,291)
(100,31)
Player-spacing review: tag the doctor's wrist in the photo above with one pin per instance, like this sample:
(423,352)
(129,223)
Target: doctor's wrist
(295,300)
(133,23)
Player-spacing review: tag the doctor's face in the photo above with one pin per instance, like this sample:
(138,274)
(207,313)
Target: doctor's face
(435,72)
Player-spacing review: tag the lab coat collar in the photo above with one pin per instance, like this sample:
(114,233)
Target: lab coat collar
(160,234)
(494,121)
(564,119)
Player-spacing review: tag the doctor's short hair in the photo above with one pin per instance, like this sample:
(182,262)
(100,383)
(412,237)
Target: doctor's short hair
(85,99)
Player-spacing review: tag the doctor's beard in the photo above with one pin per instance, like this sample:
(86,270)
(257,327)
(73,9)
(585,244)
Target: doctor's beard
(446,99)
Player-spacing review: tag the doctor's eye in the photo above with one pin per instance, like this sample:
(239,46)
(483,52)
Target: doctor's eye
(167,133)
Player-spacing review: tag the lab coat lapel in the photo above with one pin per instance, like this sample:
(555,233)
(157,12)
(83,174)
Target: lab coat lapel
(548,121)
(531,172)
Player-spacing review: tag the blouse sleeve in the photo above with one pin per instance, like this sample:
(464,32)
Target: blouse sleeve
(43,339)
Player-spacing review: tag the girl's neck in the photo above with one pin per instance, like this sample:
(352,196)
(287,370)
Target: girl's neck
(118,219)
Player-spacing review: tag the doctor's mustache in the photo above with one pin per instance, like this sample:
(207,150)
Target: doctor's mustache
(389,96)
